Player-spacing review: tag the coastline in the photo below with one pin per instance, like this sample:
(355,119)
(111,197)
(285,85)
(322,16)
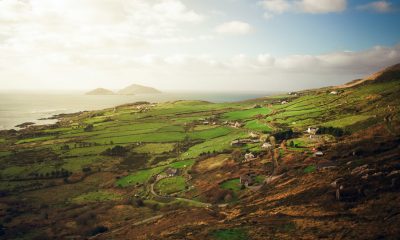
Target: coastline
(45,109)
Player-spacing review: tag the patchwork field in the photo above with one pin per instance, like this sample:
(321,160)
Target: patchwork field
(158,160)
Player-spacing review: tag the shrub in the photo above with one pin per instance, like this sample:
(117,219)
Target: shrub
(89,128)
(98,229)
(116,151)
(337,132)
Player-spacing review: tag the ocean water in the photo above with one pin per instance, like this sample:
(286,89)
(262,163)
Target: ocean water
(19,107)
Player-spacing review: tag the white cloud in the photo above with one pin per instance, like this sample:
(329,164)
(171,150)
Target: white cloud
(378,6)
(234,28)
(276,6)
(322,6)
(82,24)
(273,7)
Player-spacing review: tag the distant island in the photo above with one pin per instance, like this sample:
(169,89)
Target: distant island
(100,91)
(137,89)
(133,89)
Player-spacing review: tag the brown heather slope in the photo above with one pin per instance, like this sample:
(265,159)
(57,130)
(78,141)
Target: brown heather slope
(387,74)
(304,206)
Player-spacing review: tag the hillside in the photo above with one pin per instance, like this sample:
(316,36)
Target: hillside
(137,89)
(100,91)
(199,170)
(388,74)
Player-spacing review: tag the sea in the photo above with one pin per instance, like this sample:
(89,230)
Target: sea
(18,107)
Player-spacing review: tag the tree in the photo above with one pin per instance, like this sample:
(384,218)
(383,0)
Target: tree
(291,144)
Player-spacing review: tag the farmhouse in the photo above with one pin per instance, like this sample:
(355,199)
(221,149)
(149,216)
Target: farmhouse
(334,93)
(249,157)
(253,135)
(312,131)
(284,102)
(237,125)
(318,154)
(267,146)
(171,172)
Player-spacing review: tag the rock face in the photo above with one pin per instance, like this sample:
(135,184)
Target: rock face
(137,89)
(100,91)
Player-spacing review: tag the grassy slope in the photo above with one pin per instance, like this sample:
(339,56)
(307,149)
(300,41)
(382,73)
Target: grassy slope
(161,129)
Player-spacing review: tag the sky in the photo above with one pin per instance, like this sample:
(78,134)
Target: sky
(207,45)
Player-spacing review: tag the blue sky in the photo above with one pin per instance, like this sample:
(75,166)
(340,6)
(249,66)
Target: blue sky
(197,45)
(303,33)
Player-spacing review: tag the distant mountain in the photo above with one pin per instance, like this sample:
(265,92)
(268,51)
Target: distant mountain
(388,74)
(100,91)
(137,89)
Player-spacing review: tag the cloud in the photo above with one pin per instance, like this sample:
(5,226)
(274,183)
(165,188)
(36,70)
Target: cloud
(273,7)
(184,71)
(234,28)
(378,6)
(81,24)
(276,6)
(322,6)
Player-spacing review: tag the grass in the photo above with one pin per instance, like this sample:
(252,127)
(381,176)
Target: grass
(229,234)
(215,144)
(232,184)
(155,148)
(98,196)
(346,121)
(210,133)
(171,185)
(246,114)
(310,169)
(139,177)
(36,139)
(258,125)
(142,176)
(202,127)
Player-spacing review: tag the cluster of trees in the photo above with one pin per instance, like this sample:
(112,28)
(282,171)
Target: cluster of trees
(337,132)
(118,151)
(282,135)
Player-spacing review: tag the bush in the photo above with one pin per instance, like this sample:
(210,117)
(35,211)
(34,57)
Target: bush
(284,134)
(98,229)
(337,132)
(89,128)
(116,151)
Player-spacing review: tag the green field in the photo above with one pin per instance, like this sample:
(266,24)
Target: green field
(229,234)
(171,185)
(246,113)
(232,184)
